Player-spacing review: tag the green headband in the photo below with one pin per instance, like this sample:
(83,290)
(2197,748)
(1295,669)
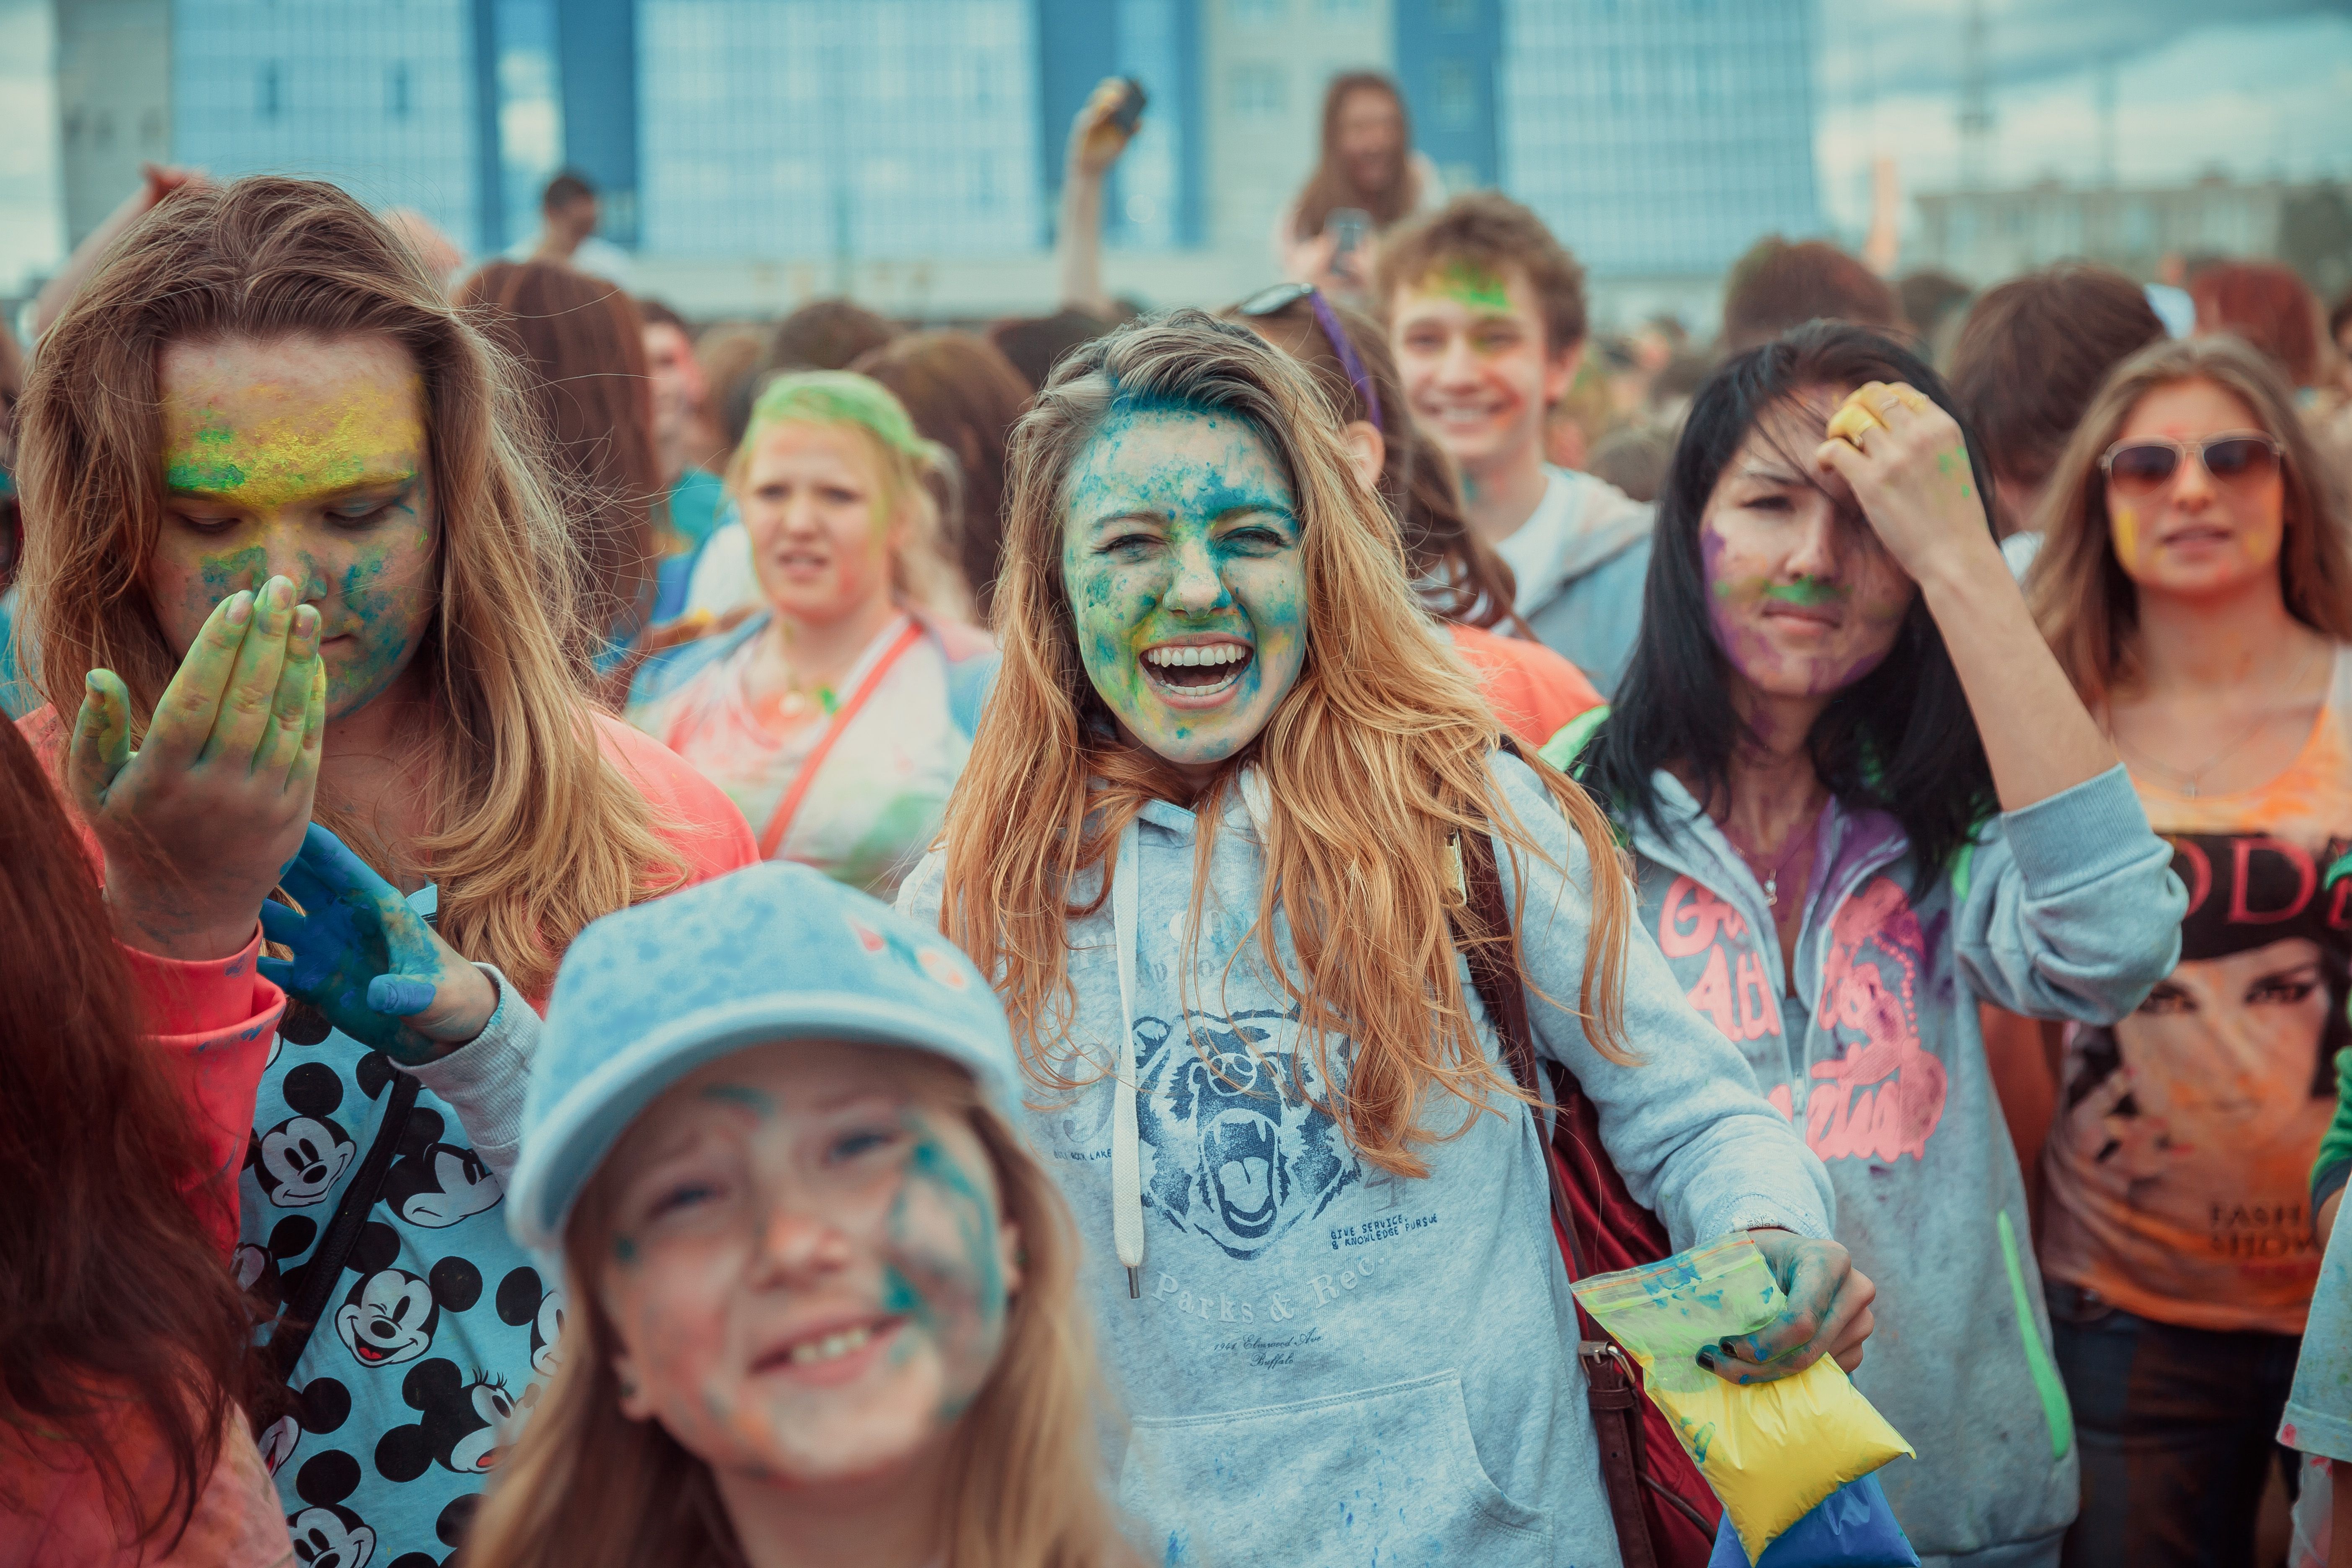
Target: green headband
(837,397)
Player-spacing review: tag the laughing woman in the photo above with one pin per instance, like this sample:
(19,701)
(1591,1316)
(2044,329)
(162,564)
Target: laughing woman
(1860,797)
(1202,848)
(261,427)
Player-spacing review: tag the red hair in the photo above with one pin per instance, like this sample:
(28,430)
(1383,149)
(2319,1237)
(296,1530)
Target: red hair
(114,1307)
(2266,304)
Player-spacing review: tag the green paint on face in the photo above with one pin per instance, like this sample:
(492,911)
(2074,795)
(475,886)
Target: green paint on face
(1467,283)
(1181,531)
(1804,591)
(204,464)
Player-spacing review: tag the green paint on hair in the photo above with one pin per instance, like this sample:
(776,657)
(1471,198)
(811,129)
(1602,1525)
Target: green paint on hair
(838,397)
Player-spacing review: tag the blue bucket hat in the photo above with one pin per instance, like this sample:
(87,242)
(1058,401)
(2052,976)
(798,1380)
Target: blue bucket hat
(774,951)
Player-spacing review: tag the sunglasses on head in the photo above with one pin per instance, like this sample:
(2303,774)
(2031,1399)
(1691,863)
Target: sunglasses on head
(2145,465)
(1282,296)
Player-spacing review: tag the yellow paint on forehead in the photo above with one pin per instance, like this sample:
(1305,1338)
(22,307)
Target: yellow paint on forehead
(281,444)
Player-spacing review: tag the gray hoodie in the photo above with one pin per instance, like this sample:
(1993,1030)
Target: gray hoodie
(1324,1363)
(1580,561)
(2068,908)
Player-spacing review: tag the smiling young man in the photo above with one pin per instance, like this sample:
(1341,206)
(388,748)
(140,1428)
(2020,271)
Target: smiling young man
(1485,313)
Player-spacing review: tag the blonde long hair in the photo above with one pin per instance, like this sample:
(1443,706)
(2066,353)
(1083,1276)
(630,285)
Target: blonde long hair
(1377,757)
(534,832)
(586,1486)
(2084,602)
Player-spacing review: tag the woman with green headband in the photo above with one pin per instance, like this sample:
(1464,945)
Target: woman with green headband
(838,715)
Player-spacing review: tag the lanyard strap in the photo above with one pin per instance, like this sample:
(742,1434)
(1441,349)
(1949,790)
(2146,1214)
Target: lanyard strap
(772,839)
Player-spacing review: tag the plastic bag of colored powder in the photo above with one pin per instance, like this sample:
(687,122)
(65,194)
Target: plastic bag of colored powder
(1770,1450)
(1851,1528)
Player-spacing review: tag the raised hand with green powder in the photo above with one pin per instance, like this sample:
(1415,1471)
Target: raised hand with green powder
(366,959)
(195,821)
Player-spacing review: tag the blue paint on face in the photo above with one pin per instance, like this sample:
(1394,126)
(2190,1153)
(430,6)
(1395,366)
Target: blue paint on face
(1181,541)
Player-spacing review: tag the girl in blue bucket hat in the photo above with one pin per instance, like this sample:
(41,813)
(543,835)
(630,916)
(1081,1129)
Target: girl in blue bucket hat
(820,1292)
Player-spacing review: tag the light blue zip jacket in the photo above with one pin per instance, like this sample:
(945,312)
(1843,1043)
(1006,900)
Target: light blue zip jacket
(1328,1365)
(2068,908)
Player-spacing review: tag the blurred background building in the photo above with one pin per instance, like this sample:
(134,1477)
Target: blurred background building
(753,153)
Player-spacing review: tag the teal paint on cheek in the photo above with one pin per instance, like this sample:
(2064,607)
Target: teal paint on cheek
(388,617)
(624,1251)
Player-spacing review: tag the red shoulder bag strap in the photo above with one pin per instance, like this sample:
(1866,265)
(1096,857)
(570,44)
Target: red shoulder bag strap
(1665,1512)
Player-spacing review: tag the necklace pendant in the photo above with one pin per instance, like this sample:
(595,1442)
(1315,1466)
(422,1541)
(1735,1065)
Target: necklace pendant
(1773,891)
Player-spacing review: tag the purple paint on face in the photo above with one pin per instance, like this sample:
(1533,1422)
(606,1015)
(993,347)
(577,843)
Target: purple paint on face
(1803,599)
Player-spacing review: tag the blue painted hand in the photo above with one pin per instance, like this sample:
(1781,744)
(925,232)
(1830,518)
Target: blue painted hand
(1827,1313)
(368,961)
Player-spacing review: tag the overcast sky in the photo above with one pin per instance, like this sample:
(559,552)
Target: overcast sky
(2267,92)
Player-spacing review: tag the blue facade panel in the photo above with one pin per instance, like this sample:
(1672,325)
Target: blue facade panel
(384,99)
(596,55)
(1447,55)
(841,129)
(1661,137)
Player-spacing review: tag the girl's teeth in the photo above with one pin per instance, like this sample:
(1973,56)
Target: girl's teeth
(1216,653)
(832,1347)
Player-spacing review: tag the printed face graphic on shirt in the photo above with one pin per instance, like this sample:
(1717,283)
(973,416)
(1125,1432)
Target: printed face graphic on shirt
(810,1270)
(2223,1076)
(1883,1097)
(1181,557)
(1235,1145)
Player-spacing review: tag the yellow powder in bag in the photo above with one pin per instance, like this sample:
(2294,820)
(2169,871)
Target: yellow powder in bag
(1770,1450)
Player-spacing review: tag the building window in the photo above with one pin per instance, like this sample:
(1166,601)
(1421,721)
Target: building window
(1455,13)
(396,90)
(1457,95)
(1259,90)
(269,95)
(1257,12)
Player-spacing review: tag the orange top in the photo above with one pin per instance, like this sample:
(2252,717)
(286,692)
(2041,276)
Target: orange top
(1532,690)
(2176,1173)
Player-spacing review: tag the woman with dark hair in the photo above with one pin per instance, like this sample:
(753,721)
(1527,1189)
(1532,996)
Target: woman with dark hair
(963,394)
(123,1334)
(583,345)
(1368,169)
(1467,585)
(2196,586)
(1860,797)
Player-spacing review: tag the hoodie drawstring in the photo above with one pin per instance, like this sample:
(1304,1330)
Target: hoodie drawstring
(1126,1143)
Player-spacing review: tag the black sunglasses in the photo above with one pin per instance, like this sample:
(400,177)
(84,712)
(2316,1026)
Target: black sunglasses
(2146,465)
(1282,296)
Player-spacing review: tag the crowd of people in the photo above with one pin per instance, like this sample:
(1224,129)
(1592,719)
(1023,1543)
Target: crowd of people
(836,941)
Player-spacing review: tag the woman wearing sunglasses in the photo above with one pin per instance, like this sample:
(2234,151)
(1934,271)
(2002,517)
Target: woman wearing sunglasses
(1464,583)
(2197,587)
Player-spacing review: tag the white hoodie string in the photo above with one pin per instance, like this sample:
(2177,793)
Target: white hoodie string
(1126,1140)
(1125,1150)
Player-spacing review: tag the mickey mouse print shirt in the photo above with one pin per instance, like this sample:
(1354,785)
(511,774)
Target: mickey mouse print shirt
(2176,1173)
(437,1334)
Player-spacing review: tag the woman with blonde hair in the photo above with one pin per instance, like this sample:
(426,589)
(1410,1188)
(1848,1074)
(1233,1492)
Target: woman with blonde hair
(1205,850)
(823,1293)
(2196,584)
(837,716)
(262,413)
